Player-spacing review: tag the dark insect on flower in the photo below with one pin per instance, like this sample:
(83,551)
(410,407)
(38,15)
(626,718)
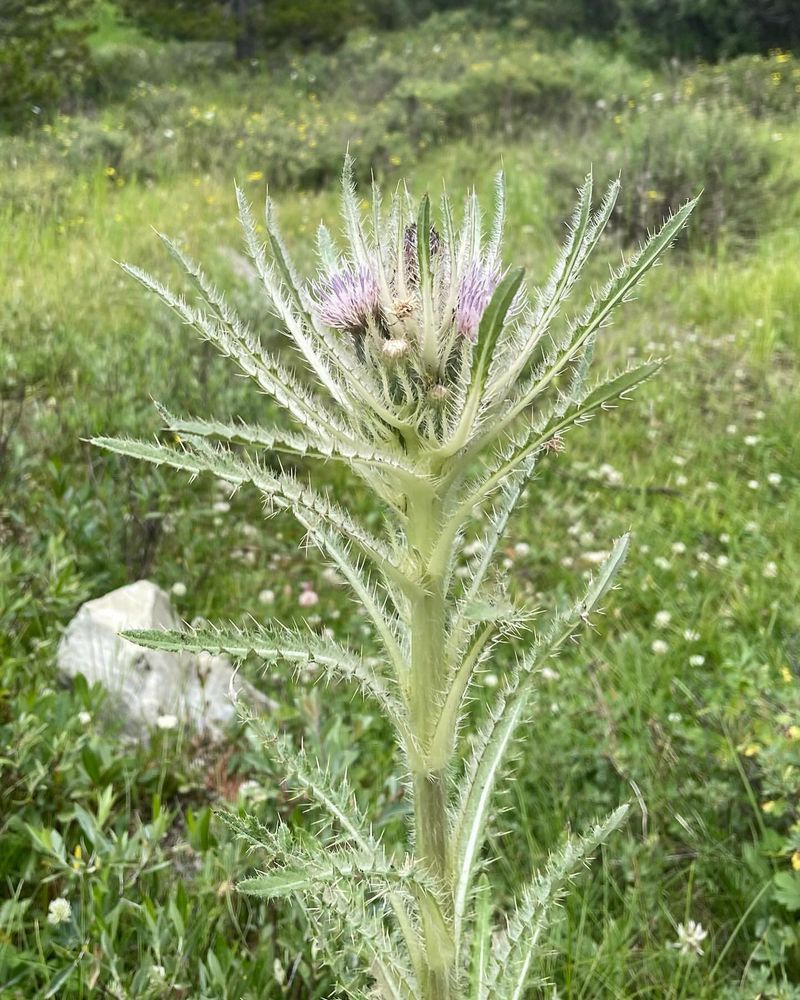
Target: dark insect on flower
(410,251)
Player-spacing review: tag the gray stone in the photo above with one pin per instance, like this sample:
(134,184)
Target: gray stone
(146,685)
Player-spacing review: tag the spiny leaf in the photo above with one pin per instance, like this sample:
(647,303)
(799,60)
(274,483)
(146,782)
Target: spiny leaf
(509,973)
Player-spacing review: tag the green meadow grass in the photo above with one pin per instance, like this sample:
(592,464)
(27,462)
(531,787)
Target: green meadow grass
(684,701)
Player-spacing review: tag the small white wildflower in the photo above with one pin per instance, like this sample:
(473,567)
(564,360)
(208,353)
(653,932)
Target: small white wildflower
(167,721)
(690,938)
(549,674)
(703,557)
(674,717)
(266,596)
(690,635)
(490,680)
(678,548)
(59,911)
(178,589)
(595,558)
(567,562)
(731,429)
(507,563)
(308,599)
(751,440)
(644,549)
(722,561)
(84,718)
(751,527)
(770,570)
(659,647)
(662,619)
(681,480)
(522,549)
(169,133)
(555,708)
(753,484)
(462,572)
(678,460)
(774,479)
(711,486)
(473,548)
(661,563)
(221,507)
(724,537)
(697,660)
(611,475)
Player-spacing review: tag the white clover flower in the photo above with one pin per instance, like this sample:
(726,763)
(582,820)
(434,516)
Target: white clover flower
(549,674)
(59,911)
(308,598)
(711,486)
(678,460)
(690,635)
(660,562)
(753,484)
(681,480)
(731,429)
(751,440)
(770,570)
(697,660)
(266,596)
(490,680)
(678,548)
(84,718)
(674,717)
(659,647)
(167,721)
(221,507)
(522,549)
(774,479)
(662,619)
(722,561)
(178,589)
(690,938)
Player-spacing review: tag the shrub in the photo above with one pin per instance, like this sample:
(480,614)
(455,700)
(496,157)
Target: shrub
(665,152)
(43,59)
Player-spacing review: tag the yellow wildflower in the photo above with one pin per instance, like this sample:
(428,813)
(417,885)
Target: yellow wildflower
(255,175)
(794,732)
(786,674)
(796,861)
(751,749)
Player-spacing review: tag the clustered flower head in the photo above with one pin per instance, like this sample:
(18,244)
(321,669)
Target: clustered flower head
(413,305)
(690,938)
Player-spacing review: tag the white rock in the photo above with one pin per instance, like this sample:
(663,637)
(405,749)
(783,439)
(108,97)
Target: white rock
(148,684)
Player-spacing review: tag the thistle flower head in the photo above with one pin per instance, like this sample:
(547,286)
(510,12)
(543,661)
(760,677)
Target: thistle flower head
(348,298)
(475,291)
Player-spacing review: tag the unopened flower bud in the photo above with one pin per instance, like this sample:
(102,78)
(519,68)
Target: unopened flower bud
(393,350)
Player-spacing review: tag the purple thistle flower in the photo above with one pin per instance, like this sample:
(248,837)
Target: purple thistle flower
(476,289)
(347,299)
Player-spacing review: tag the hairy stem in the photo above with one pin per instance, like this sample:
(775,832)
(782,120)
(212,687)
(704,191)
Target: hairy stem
(428,677)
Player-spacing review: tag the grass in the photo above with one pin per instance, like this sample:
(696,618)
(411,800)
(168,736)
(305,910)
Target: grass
(684,702)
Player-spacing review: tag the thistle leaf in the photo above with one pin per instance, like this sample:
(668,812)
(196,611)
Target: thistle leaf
(617,290)
(276,643)
(497,734)
(510,969)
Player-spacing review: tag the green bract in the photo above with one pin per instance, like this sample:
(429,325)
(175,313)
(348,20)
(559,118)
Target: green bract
(441,383)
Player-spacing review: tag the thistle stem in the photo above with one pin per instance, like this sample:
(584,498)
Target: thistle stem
(428,676)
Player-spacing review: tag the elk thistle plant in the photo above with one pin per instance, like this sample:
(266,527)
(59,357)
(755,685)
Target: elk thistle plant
(441,383)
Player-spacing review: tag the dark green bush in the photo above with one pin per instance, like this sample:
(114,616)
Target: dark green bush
(43,58)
